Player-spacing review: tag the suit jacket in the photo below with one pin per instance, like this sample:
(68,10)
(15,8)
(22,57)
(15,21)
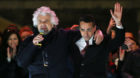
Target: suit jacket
(55,46)
(93,64)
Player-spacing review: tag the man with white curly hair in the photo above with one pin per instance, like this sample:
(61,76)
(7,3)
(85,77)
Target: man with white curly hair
(45,17)
(46,53)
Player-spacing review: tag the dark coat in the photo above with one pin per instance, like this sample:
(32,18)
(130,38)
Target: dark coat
(131,67)
(55,46)
(93,64)
(9,69)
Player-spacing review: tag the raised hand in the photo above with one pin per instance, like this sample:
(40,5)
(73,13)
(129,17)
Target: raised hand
(121,54)
(117,14)
(98,37)
(11,51)
(110,26)
(9,54)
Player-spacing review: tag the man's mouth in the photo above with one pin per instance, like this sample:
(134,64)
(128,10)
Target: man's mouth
(43,28)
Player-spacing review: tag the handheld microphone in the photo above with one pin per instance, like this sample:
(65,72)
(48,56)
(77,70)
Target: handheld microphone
(41,32)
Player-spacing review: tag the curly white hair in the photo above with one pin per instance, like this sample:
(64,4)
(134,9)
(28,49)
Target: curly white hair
(43,11)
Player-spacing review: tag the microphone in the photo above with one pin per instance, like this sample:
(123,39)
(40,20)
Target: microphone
(41,32)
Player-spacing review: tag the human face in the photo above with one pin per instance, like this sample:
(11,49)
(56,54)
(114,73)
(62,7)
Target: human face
(87,30)
(132,46)
(44,23)
(13,40)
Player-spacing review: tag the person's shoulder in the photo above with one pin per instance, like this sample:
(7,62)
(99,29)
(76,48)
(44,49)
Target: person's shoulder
(67,33)
(136,53)
(28,39)
(61,31)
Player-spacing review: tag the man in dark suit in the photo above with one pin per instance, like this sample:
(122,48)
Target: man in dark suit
(90,59)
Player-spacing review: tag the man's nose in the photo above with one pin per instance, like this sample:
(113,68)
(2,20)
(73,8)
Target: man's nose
(86,33)
(42,24)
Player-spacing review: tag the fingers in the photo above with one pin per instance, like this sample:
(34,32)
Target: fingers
(95,36)
(111,23)
(8,53)
(117,14)
(113,16)
(8,50)
(98,40)
(111,12)
(98,37)
(115,7)
(118,8)
(121,9)
(39,36)
(38,39)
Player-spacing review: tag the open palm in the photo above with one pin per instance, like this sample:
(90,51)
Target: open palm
(117,14)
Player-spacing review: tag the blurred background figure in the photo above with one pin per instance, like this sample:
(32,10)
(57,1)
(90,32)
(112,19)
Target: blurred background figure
(129,34)
(9,49)
(113,54)
(110,27)
(11,27)
(25,32)
(74,27)
(131,66)
(123,53)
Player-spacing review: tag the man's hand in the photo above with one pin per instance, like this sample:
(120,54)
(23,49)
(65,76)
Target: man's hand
(37,39)
(121,54)
(117,14)
(98,37)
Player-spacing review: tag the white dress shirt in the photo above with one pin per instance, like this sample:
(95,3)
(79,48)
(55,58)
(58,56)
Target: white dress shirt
(81,43)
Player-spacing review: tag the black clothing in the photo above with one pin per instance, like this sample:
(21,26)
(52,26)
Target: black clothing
(93,64)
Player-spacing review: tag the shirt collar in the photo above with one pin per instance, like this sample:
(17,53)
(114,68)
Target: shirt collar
(90,40)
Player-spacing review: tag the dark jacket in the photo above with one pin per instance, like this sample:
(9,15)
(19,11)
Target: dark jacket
(9,69)
(55,48)
(131,67)
(93,64)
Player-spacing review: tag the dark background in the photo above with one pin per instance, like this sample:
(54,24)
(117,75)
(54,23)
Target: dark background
(20,12)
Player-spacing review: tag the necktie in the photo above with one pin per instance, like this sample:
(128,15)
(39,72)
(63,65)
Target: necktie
(84,50)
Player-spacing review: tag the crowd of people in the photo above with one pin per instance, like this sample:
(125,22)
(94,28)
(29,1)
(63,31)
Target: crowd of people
(82,51)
